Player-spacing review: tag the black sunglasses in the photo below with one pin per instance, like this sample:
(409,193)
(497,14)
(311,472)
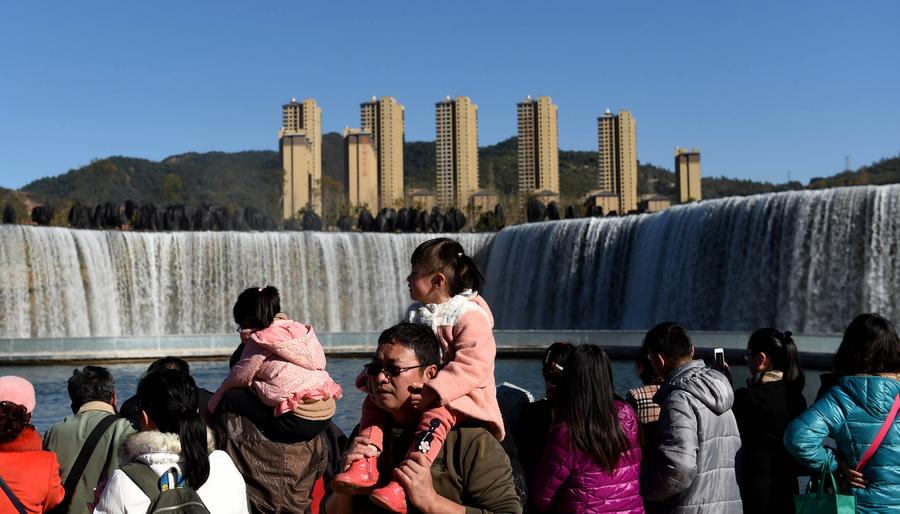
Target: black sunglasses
(390,371)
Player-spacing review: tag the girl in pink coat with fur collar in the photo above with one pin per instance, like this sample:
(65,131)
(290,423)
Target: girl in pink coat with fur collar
(444,282)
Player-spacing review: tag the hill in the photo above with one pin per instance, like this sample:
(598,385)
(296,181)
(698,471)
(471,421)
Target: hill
(253,178)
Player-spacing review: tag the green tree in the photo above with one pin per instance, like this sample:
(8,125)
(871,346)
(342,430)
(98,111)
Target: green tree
(172,187)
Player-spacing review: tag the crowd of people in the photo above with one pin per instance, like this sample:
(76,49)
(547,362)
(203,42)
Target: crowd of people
(433,438)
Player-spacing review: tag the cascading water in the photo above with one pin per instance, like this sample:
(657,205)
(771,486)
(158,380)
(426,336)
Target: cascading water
(58,282)
(803,261)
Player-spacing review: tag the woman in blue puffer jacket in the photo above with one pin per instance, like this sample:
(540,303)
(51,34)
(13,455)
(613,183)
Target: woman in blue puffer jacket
(853,412)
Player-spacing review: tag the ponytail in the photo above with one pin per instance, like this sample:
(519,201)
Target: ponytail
(170,398)
(192,433)
(256,307)
(448,257)
(782,351)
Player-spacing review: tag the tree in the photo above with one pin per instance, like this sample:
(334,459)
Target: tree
(172,187)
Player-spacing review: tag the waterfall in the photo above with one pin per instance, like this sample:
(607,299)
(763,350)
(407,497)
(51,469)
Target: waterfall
(58,282)
(803,261)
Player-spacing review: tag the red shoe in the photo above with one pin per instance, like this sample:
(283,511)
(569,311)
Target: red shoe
(360,478)
(391,497)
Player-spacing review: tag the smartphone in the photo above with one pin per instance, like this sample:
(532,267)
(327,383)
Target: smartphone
(719,354)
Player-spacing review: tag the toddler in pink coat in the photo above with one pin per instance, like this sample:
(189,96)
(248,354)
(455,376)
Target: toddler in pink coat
(444,283)
(279,383)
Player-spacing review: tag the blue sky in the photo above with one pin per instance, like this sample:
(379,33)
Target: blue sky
(763,88)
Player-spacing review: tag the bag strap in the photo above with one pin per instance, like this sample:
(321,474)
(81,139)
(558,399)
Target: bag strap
(12,497)
(144,477)
(81,462)
(881,434)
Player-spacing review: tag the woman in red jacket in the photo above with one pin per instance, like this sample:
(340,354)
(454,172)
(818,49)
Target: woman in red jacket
(29,476)
(592,461)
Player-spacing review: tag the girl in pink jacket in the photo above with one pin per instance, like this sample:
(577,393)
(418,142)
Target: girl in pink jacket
(279,383)
(444,282)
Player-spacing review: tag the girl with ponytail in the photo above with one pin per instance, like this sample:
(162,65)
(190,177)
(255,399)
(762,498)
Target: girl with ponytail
(174,442)
(772,399)
(444,282)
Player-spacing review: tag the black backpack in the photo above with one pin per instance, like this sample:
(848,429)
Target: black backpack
(181,499)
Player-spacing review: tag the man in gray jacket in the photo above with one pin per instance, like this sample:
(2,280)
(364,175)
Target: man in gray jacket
(692,468)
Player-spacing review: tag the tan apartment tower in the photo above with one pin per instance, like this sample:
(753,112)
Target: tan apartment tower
(687,175)
(360,169)
(457,151)
(538,146)
(384,119)
(300,146)
(617,143)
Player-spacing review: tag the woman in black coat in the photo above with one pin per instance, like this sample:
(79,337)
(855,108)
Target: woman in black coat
(763,409)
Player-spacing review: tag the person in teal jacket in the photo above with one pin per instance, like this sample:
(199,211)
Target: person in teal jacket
(852,413)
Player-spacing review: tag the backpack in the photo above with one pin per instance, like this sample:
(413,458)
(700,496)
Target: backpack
(167,493)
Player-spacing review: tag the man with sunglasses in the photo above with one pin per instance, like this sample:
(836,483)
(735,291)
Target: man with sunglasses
(471,465)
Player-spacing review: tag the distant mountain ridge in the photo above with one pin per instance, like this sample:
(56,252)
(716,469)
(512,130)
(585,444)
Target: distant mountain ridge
(253,178)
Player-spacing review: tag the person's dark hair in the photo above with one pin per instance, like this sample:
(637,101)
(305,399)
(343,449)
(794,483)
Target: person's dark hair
(553,365)
(781,349)
(870,345)
(169,397)
(170,362)
(418,338)
(256,307)
(13,420)
(644,368)
(91,383)
(586,404)
(668,339)
(447,256)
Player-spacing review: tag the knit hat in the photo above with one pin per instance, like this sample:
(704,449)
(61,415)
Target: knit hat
(17,390)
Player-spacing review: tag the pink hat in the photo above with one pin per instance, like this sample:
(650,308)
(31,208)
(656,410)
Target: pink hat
(17,390)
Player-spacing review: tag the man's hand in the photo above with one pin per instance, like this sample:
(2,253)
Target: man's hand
(422,398)
(414,474)
(359,448)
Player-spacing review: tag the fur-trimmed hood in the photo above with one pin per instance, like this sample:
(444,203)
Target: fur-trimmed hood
(155,447)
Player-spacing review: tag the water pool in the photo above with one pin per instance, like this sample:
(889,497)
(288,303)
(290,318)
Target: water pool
(53,402)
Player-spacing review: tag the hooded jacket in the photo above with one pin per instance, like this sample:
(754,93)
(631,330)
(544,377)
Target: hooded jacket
(852,413)
(569,480)
(31,473)
(284,364)
(693,467)
(222,493)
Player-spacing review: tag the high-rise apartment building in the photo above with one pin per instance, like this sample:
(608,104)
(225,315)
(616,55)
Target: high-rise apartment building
(687,175)
(538,146)
(457,151)
(361,169)
(300,146)
(383,119)
(617,141)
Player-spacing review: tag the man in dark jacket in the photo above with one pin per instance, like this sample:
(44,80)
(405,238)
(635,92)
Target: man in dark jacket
(692,469)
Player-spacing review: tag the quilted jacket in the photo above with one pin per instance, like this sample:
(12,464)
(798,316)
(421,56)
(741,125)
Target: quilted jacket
(692,470)
(568,480)
(852,413)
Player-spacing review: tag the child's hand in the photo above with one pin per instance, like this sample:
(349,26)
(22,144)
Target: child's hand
(359,448)
(422,398)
